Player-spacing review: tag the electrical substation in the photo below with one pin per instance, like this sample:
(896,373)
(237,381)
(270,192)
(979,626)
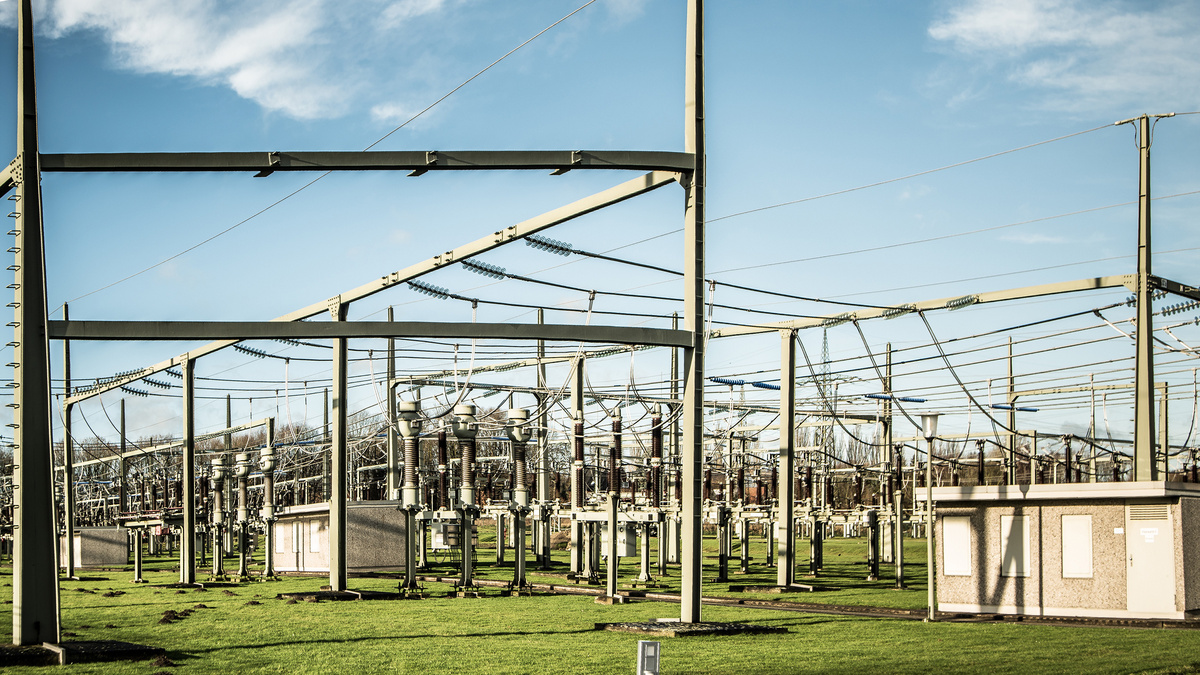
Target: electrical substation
(934,440)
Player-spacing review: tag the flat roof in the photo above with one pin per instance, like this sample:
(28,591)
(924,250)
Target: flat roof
(1061,491)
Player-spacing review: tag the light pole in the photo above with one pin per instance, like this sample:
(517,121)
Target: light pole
(929,422)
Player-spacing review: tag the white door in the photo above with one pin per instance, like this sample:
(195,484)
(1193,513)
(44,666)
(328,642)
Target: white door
(1150,559)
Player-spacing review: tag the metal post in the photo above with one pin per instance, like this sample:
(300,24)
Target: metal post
(187,540)
(339,454)
(519,434)
(409,422)
(785,529)
(266,462)
(542,525)
(1010,457)
(218,516)
(393,451)
(614,496)
(1144,467)
(242,471)
(35,613)
(898,537)
(137,556)
(68,461)
(465,428)
(1164,437)
(578,559)
(122,465)
(693,280)
(929,428)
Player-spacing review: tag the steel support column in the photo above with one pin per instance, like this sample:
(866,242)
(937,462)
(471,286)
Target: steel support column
(786,491)
(1143,377)
(393,450)
(35,612)
(187,540)
(693,306)
(68,461)
(339,451)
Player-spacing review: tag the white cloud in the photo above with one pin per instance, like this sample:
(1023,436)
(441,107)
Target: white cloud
(302,58)
(402,10)
(1104,54)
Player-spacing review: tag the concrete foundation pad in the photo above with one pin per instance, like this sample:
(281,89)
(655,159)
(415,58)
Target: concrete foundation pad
(317,596)
(101,650)
(794,588)
(610,600)
(679,629)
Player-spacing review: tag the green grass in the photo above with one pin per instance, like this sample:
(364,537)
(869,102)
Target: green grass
(553,634)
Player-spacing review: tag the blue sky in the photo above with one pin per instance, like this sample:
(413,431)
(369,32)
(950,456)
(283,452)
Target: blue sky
(803,99)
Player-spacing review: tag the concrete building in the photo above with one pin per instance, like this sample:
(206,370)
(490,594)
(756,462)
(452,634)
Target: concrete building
(97,547)
(375,538)
(1119,550)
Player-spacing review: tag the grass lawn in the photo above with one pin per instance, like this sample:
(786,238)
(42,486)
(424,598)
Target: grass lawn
(553,634)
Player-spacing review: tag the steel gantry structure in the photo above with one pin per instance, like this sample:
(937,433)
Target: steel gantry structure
(35,588)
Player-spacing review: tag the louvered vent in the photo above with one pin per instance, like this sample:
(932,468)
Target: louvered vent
(1149,511)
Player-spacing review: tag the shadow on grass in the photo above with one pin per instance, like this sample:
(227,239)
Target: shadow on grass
(375,638)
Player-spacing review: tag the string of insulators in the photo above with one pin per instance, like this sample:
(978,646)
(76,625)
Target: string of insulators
(174,373)
(134,392)
(549,245)
(1005,406)
(429,289)
(894,312)
(486,269)
(738,383)
(837,320)
(156,383)
(959,303)
(250,351)
(889,397)
(1155,295)
(1181,307)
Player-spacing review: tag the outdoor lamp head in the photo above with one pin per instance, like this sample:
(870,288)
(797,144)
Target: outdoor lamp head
(464,423)
(410,418)
(929,422)
(518,426)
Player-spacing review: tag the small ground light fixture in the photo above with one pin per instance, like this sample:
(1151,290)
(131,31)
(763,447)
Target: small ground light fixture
(647,659)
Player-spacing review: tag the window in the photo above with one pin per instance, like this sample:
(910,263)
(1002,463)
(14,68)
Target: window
(314,536)
(956,546)
(1014,546)
(1077,547)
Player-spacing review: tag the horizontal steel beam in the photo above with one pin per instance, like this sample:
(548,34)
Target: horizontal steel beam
(416,161)
(174,445)
(614,195)
(1091,284)
(314,330)
(1175,287)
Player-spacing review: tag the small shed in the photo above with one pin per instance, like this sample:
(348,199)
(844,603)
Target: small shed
(97,547)
(1111,550)
(375,537)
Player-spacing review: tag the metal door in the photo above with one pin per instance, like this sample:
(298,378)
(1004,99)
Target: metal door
(1150,559)
(297,548)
